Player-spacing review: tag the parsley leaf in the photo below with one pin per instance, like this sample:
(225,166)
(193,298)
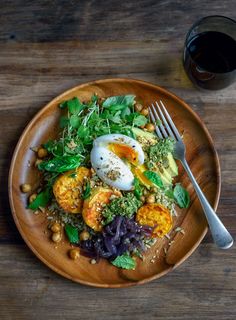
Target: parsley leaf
(74,105)
(181,196)
(87,191)
(154,178)
(124,262)
(137,188)
(41,200)
(72,233)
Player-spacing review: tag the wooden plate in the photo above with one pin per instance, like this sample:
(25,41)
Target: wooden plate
(201,156)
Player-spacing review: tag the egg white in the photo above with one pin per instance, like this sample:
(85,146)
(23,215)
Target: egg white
(104,162)
(117,138)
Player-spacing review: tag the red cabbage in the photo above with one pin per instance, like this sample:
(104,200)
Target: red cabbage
(120,236)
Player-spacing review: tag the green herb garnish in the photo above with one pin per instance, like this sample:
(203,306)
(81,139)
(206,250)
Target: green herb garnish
(72,233)
(116,103)
(125,206)
(41,200)
(125,262)
(87,191)
(154,178)
(60,164)
(84,122)
(158,152)
(181,196)
(137,188)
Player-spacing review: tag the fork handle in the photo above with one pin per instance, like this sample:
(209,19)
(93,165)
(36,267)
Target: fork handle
(220,234)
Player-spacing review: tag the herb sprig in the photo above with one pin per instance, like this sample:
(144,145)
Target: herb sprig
(83,122)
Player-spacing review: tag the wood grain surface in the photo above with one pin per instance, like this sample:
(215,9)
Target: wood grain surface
(48,47)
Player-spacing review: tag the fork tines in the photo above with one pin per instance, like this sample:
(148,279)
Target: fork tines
(164,125)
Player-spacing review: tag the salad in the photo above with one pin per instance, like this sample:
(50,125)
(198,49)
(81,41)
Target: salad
(106,182)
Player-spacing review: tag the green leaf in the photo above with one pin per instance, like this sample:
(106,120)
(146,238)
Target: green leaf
(128,132)
(116,103)
(87,191)
(83,131)
(140,120)
(115,118)
(169,193)
(41,200)
(57,149)
(73,175)
(63,122)
(60,164)
(63,105)
(136,119)
(158,122)
(49,145)
(124,262)
(72,233)
(74,105)
(137,188)
(125,112)
(94,98)
(181,196)
(75,121)
(154,178)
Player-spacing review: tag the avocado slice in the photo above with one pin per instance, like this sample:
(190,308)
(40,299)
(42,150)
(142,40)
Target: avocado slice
(144,134)
(166,174)
(173,168)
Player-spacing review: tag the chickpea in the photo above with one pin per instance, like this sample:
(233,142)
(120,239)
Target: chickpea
(74,254)
(144,112)
(84,235)
(25,187)
(93,261)
(150,198)
(150,127)
(56,237)
(142,198)
(37,162)
(154,189)
(56,227)
(138,107)
(42,153)
(32,197)
(92,183)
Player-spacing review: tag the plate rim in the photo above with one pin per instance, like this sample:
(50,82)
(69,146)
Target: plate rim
(53,101)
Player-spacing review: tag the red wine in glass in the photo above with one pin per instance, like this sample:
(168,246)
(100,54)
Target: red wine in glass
(210,58)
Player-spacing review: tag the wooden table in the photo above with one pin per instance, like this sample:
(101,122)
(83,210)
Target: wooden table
(50,46)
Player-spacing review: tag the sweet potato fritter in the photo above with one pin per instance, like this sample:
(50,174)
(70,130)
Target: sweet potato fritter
(68,189)
(157,216)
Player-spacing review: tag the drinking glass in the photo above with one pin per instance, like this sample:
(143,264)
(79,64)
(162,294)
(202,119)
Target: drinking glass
(210,52)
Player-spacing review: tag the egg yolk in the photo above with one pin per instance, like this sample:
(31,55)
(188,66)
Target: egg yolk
(138,172)
(125,152)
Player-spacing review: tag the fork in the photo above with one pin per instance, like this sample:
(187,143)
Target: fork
(166,128)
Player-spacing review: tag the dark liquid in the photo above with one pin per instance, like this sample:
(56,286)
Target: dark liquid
(210,60)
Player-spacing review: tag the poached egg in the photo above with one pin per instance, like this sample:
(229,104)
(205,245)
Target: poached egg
(111,157)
